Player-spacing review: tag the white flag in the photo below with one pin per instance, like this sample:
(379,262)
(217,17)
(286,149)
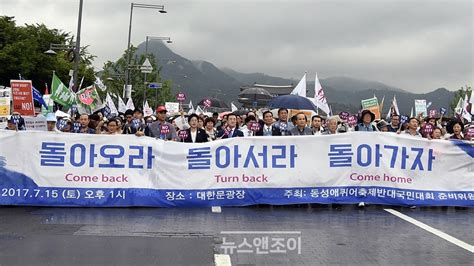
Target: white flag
(147,111)
(319,98)
(71,83)
(100,84)
(80,84)
(459,107)
(465,113)
(199,110)
(471,101)
(300,89)
(393,109)
(191,108)
(233,107)
(395,105)
(122,108)
(111,104)
(130,105)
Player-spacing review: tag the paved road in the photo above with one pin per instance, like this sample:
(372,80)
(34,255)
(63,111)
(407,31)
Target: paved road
(310,235)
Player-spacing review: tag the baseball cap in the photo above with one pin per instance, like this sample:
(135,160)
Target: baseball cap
(161,108)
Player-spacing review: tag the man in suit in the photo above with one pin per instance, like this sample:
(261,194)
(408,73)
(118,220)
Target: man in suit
(301,126)
(194,133)
(231,131)
(268,128)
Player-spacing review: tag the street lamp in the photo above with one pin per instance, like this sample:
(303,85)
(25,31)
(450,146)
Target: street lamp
(150,38)
(71,48)
(74,48)
(146,67)
(57,46)
(160,9)
(78,45)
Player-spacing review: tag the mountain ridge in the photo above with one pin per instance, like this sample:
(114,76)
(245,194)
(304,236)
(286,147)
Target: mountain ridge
(200,79)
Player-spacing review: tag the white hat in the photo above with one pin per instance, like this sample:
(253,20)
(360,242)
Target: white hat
(50,117)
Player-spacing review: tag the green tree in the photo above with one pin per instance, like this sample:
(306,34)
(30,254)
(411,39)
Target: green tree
(459,94)
(114,77)
(22,52)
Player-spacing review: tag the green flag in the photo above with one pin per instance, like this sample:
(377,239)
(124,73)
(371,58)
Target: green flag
(60,93)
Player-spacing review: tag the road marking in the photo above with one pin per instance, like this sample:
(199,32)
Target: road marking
(222,260)
(216,209)
(432,230)
(260,232)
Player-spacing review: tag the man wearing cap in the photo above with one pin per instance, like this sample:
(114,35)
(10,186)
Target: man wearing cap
(367,117)
(15,125)
(51,122)
(154,130)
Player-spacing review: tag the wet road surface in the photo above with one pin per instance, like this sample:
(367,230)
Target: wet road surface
(262,235)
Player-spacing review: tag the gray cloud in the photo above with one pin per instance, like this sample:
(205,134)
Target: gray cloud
(415,45)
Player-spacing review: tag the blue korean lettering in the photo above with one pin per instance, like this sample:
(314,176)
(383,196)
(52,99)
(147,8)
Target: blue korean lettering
(431,158)
(237,156)
(293,156)
(200,158)
(393,159)
(150,158)
(280,156)
(52,154)
(368,160)
(82,155)
(340,155)
(264,156)
(133,157)
(92,155)
(219,157)
(404,158)
(417,161)
(112,153)
(378,155)
(82,150)
(140,156)
(250,157)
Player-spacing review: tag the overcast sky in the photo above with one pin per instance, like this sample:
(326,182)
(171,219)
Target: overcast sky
(414,45)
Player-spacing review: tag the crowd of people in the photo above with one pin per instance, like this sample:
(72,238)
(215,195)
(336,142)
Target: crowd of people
(202,128)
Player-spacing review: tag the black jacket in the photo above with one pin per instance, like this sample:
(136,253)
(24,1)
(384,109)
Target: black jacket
(275,131)
(237,133)
(201,136)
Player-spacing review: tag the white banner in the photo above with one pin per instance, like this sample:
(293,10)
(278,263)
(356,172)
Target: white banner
(378,168)
(172,107)
(420,107)
(36,123)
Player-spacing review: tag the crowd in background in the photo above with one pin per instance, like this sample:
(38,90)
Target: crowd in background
(202,128)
